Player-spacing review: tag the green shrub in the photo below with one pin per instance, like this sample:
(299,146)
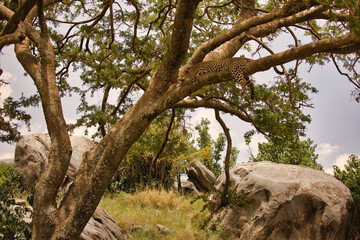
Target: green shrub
(9,181)
(12,225)
(350,176)
(140,172)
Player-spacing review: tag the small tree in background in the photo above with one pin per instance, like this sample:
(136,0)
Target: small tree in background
(350,176)
(12,225)
(297,152)
(210,150)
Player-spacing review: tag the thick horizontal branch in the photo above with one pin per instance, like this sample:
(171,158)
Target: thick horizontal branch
(272,27)
(335,44)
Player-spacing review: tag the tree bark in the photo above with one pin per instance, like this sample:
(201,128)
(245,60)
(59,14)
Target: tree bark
(43,74)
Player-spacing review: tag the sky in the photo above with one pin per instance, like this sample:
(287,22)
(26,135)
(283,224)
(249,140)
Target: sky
(335,126)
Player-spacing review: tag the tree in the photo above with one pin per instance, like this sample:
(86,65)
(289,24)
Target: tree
(219,145)
(209,150)
(204,139)
(350,176)
(298,152)
(141,46)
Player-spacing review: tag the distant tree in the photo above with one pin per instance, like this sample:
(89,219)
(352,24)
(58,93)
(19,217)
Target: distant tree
(350,176)
(298,152)
(234,156)
(210,150)
(131,54)
(204,139)
(12,224)
(218,148)
(12,116)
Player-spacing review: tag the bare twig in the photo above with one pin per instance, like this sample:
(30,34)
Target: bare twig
(166,136)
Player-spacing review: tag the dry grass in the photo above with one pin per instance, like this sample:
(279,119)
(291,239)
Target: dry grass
(158,199)
(151,207)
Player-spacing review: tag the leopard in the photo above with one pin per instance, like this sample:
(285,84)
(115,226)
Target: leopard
(233,65)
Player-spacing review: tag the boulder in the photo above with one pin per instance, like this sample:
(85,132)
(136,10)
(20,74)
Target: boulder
(188,187)
(102,226)
(285,202)
(31,156)
(201,176)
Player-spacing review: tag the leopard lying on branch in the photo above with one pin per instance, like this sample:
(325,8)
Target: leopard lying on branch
(233,65)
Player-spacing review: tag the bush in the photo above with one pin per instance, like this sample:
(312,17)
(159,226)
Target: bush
(9,181)
(11,218)
(351,176)
(140,172)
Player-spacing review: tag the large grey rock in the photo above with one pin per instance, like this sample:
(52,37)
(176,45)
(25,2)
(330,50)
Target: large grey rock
(102,226)
(188,187)
(286,202)
(201,176)
(31,156)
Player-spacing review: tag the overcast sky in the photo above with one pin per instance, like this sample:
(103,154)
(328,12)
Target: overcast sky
(335,126)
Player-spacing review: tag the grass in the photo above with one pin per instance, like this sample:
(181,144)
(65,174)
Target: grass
(151,207)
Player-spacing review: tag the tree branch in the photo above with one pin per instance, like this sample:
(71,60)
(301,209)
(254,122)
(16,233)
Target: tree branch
(5,13)
(166,136)
(179,43)
(19,15)
(12,38)
(328,45)
(287,10)
(226,130)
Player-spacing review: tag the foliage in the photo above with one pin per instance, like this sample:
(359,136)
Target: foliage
(12,225)
(204,139)
(280,114)
(9,181)
(351,176)
(142,168)
(238,200)
(299,152)
(12,116)
(143,171)
(210,150)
